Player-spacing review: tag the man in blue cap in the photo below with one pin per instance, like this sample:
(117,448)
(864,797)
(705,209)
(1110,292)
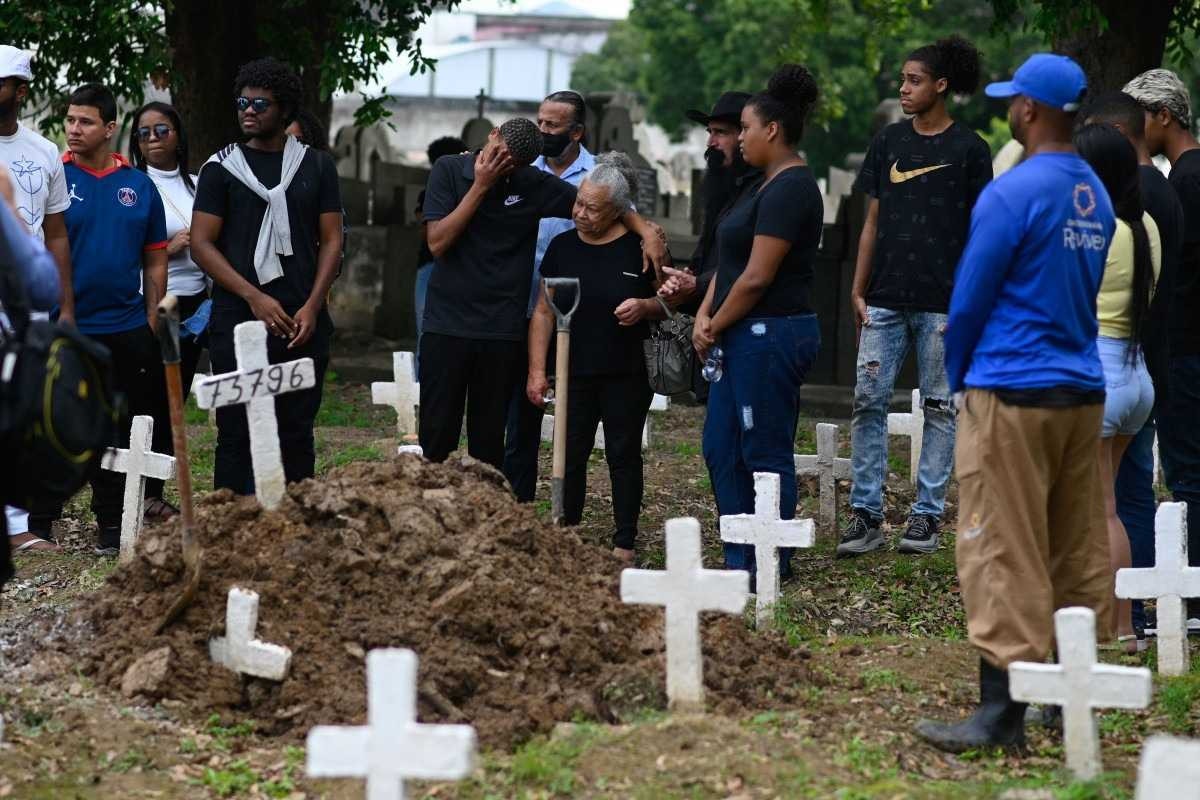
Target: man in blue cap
(1022,361)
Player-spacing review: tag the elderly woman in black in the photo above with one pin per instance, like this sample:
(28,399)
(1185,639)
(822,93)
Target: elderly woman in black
(608,380)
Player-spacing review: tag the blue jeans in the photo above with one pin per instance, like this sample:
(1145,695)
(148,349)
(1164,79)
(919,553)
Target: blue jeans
(420,289)
(1179,447)
(1136,504)
(752,415)
(881,352)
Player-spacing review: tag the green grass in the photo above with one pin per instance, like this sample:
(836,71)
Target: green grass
(348,454)
(1176,698)
(231,780)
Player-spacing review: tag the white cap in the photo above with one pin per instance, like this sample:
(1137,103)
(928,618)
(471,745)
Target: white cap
(14,63)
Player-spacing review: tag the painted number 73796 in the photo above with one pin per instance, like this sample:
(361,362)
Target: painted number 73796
(232,388)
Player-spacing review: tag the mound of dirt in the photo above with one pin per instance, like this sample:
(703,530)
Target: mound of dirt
(518,625)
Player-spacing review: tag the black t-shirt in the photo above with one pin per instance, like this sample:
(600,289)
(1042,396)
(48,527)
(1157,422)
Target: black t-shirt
(788,207)
(1185,322)
(424,254)
(926,187)
(313,191)
(608,274)
(1161,202)
(480,288)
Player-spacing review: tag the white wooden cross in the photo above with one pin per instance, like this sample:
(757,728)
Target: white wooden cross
(1079,684)
(238,650)
(392,746)
(403,393)
(598,441)
(414,449)
(138,463)
(255,383)
(1171,581)
(686,589)
(912,425)
(828,469)
(198,379)
(767,532)
(660,402)
(1169,769)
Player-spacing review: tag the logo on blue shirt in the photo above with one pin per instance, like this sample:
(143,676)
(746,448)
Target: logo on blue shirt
(127,196)
(1085,199)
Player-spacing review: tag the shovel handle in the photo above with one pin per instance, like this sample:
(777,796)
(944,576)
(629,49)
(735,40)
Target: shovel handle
(168,342)
(563,317)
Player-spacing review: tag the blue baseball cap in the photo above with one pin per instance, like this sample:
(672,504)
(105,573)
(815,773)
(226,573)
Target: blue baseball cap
(1051,79)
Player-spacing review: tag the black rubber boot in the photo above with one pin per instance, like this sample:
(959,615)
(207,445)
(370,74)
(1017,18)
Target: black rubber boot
(998,722)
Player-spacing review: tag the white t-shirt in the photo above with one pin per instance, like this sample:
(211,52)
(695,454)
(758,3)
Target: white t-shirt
(184,278)
(36,169)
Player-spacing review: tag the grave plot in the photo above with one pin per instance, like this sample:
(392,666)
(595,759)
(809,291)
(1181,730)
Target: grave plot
(518,625)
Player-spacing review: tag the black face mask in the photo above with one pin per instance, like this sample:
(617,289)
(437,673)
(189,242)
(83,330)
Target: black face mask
(553,144)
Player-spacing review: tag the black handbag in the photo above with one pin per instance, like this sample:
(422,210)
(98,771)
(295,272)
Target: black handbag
(670,358)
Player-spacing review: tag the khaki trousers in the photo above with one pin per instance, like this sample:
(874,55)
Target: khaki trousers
(1031,527)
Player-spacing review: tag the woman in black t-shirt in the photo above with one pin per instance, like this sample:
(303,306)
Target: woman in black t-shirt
(608,382)
(756,326)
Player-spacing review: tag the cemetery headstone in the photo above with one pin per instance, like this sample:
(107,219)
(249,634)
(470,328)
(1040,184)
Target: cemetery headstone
(1169,769)
(1079,685)
(1170,581)
(254,384)
(238,649)
(912,425)
(828,469)
(392,747)
(767,532)
(403,393)
(138,463)
(685,588)
(598,441)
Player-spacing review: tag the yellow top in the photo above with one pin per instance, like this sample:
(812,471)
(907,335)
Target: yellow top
(1116,290)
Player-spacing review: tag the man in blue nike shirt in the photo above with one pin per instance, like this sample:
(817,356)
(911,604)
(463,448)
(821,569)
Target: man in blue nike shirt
(1021,357)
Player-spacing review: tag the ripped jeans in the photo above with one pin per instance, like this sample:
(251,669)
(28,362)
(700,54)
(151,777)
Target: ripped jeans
(752,414)
(881,352)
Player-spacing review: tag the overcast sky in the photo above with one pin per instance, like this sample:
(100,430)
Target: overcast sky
(600,8)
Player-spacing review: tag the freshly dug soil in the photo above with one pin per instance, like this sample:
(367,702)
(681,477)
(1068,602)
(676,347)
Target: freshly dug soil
(518,625)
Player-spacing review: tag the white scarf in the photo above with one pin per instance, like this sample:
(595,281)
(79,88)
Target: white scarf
(275,233)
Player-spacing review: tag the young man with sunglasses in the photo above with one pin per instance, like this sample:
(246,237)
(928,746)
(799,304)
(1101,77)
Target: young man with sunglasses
(40,200)
(118,241)
(267,228)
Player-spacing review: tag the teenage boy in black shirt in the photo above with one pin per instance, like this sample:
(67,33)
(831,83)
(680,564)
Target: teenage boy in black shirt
(1168,117)
(924,175)
(482,213)
(236,239)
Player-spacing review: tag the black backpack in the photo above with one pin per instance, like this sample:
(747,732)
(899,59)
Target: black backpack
(58,412)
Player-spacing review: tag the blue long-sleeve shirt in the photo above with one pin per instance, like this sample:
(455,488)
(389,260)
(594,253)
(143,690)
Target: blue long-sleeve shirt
(22,251)
(1023,311)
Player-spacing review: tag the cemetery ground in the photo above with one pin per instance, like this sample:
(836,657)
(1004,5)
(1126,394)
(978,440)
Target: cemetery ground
(876,643)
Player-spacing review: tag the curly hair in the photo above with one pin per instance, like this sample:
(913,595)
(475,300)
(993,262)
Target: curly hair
(790,96)
(953,58)
(277,78)
(312,132)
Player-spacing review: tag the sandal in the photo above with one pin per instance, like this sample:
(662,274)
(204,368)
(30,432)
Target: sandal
(34,544)
(155,508)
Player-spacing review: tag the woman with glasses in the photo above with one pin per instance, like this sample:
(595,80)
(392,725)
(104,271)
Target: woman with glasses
(158,147)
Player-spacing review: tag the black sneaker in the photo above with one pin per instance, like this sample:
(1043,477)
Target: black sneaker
(108,542)
(921,536)
(862,535)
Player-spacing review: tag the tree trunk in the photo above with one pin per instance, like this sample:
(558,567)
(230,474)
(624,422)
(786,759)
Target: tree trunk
(1132,43)
(210,39)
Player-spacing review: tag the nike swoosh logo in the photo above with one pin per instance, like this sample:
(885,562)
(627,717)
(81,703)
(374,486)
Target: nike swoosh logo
(900,177)
(512,200)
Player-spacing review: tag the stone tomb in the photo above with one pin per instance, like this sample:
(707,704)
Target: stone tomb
(392,747)
(828,469)
(238,650)
(912,425)
(1080,685)
(255,383)
(1169,769)
(1170,581)
(403,393)
(767,533)
(686,589)
(138,463)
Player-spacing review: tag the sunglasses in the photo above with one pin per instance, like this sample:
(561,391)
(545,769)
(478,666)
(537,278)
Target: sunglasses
(161,131)
(259,104)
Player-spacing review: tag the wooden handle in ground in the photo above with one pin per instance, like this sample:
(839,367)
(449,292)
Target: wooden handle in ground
(559,468)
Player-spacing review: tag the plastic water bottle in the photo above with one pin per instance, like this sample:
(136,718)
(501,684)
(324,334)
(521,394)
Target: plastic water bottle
(714,365)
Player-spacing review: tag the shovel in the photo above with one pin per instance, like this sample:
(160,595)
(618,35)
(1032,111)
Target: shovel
(168,340)
(562,356)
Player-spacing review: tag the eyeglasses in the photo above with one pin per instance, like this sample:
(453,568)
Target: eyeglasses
(161,131)
(259,104)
